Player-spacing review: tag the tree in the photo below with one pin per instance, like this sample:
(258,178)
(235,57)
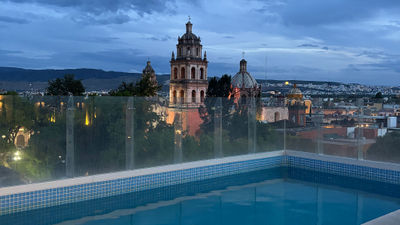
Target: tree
(65,86)
(218,93)
(144,87)
(386,148)
(220,87)
(379,95)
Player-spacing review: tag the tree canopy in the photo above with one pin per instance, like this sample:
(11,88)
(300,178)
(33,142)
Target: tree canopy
(65,86)
(144,87)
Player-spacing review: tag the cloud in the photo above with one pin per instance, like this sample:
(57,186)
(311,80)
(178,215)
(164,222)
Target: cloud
(101,6)
(7,19)
(308,46)
(8,52)
(316,12)
(322,40)
(163,38)
(116,18)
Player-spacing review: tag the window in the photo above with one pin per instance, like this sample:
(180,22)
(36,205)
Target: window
(182,96)
(276,119)
(197,52)
(201,73)
(174,96)
(183,73)
(193,73)
(193,96)
(175,73)
(202,96)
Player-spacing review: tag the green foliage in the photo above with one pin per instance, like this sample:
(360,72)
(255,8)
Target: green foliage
(65,86)
(386,148)
(379,95)
(216,102)
(221,87)
(144,87)
(11,93)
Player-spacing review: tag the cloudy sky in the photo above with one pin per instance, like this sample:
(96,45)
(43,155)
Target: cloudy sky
(334,40)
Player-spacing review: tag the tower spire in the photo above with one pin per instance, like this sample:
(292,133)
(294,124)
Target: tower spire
(189,26)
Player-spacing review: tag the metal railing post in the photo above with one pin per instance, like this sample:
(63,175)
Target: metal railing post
(129,135)
(70,143)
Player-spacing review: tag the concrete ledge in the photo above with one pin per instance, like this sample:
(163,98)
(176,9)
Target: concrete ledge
(392,218)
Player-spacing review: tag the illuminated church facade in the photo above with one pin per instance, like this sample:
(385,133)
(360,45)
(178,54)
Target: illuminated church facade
(188,81)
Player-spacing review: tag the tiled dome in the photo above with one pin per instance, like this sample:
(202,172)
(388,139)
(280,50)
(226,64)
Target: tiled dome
(243,79)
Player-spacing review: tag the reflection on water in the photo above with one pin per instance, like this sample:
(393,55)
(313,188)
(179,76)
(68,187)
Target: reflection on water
(276,196)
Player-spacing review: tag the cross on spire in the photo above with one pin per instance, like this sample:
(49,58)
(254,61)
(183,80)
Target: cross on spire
(243,54)
(189,18)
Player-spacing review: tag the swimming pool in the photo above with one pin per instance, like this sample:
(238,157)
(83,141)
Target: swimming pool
(276,196)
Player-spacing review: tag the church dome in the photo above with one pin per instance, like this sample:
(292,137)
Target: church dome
(243,79)
(295,93)
(148,69)
(189,37)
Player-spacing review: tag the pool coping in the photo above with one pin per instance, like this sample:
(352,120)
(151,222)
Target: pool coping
(392,218)
(132,173)
(345,160)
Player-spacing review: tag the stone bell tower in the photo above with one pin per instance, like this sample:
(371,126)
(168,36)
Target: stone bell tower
(188,82)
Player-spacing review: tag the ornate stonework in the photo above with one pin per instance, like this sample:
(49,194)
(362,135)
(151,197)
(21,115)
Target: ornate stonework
(149,71)
(244,85)
(188,82)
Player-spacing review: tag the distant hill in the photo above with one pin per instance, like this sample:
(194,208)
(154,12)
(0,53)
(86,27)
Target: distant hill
(93,79)
(18,74)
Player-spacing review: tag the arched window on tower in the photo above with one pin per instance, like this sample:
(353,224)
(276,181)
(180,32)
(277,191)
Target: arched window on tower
(183,73)
(201,96)
(175,73)
(197,52)
(188,51)
(174,97)
(193,96)
(201,73)
(193,73)
(182,96)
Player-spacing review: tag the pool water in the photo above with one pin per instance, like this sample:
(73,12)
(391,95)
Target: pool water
(277,196)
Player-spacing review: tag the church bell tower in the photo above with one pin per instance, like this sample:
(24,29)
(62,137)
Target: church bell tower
(188,81)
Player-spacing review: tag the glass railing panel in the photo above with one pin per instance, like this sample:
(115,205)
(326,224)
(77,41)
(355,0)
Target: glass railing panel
(32,139)
(99,135)
(198,130)
(270,120)
(157,133)
(235,127)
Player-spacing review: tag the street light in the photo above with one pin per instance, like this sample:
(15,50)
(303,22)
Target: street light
(3,136)
(17,156)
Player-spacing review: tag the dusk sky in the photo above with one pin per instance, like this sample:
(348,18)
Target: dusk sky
(333,40)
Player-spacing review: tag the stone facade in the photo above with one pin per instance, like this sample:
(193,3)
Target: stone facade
(271,114)
(188,81)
